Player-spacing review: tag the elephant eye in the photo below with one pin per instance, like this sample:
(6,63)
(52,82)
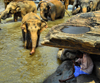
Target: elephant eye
(28,24)
(39,24)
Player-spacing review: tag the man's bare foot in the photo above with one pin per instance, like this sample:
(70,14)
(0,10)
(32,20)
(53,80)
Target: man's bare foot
(62,81)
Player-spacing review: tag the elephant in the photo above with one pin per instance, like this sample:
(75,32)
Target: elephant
(32,26)
(51,9)
(19,9)
(87,5)
(6,2)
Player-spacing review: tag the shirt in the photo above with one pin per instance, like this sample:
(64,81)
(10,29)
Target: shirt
(86,63)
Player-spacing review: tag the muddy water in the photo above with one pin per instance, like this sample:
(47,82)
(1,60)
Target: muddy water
(16,65)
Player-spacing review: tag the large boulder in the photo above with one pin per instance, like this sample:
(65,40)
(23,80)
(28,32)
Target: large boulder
(87,42)
(65,54)
(87,79)
(62,72)
(65,70)
(97,69)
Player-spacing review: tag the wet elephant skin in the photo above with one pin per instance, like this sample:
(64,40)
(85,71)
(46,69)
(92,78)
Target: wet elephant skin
(32,26)
(87,5)
(51,9)
(19,9)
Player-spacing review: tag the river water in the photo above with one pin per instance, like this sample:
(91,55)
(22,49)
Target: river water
(16,65)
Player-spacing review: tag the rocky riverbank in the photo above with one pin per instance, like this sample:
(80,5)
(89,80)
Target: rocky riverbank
(88,42)
(65,70)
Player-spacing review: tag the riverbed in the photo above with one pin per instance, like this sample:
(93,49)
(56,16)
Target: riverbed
(16,65)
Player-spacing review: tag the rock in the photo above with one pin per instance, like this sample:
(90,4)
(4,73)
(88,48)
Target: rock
(60,51)
(62,72)
(97,69)
(87,79)
(88,42)
(65,54)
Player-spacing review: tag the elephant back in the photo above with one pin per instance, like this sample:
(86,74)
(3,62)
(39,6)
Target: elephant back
(30,15)
(57,2)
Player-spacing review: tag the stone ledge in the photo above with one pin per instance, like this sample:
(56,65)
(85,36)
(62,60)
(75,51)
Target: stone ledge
(88,42)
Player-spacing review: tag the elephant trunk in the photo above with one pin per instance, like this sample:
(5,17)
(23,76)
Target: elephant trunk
(34,38)
(42,15)
(84,9)
(4,15)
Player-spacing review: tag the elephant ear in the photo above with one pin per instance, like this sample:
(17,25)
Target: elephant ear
(23,26)
(43,25)
(18,8)
(49,5)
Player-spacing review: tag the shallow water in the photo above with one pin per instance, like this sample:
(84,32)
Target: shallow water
(16,65)
(75,30)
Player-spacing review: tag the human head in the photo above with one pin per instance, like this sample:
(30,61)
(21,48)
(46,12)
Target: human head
(79,54)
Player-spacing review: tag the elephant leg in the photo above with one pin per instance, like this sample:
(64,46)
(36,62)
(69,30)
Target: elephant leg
(66,4)
(53,15)
(15,17)
(77,6)
(74,5)
(27,40)
(38,40)
(62,13)
(45,15)
(23,34)
(5,5)
(98,6)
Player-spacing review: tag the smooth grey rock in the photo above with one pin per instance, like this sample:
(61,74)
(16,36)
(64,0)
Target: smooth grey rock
(97,69)
(87,79)
(66,54)
(88,42)
(87,15)
(62,72)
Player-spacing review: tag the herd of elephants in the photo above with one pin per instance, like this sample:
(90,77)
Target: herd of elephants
(32,25)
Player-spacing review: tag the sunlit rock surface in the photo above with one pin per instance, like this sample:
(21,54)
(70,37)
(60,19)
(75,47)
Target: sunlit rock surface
(88,41)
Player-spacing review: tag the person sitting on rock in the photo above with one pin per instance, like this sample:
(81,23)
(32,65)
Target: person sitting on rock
(83,65)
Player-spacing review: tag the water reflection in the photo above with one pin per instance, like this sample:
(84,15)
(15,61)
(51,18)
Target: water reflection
(16,65)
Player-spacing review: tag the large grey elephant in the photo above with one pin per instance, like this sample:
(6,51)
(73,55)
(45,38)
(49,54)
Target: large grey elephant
(19,9)
(52,8)
(32,26)
(87,5)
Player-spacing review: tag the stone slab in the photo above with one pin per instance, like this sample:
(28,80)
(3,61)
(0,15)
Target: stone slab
(87,42)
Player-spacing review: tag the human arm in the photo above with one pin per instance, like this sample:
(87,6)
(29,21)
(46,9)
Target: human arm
(75,63)
(84,64)
(78,60)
